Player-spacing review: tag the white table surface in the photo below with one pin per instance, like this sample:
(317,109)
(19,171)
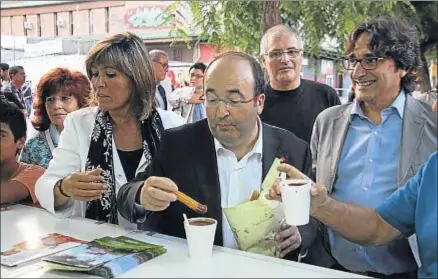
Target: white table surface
(22,223)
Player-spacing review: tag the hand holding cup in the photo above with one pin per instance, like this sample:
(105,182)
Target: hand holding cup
(318,192)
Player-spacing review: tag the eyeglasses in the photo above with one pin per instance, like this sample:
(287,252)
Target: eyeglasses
(50,101)
(229,102)
(367,63)
(165,66)
(278,54)
(196,76)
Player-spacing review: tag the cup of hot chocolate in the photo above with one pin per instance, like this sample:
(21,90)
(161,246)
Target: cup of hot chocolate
(201,222)
(200,236)
(295,195)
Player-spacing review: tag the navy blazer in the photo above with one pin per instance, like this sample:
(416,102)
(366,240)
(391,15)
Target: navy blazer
(187,156)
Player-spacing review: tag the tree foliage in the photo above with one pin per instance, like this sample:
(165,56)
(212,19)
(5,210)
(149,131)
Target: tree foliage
(238,24)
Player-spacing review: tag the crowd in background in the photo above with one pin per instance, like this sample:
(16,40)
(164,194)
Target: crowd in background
(216,138)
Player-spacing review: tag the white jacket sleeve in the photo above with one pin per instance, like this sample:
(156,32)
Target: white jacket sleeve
(66,160)
(170,119)
(180,95)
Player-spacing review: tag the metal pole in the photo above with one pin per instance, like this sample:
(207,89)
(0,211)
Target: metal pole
(77,25)
(14,50)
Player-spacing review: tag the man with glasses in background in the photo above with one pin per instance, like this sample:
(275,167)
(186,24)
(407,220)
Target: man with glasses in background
(292,103)
(365,150)
(219,161)
(160,64)
(188,101)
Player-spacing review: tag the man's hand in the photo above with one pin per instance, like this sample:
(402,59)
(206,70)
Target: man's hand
(157,193)
(275,191)
(287,240)
(291,173)
(84,186)
(318,197)
(318,192)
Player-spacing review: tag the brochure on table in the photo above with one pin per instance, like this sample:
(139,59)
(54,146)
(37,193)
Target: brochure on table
(37,248)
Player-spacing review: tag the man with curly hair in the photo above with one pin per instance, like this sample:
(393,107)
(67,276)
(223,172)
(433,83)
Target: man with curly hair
(365,150)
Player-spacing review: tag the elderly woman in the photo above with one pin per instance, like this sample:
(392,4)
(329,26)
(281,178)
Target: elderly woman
(59,92)
(104,146)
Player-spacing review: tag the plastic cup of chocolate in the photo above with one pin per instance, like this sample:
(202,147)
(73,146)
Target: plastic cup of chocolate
(200,236)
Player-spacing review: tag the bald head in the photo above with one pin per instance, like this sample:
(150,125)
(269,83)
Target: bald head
(282,70)
(230,87)
(257,72)
(279,30)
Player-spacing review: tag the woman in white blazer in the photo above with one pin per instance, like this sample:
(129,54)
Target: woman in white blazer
(102,147)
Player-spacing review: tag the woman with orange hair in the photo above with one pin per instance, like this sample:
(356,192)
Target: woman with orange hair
(59,92)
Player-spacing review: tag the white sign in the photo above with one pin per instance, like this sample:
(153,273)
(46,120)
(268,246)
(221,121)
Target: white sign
(305,61)
(13,42)
(43,48)
(326,66)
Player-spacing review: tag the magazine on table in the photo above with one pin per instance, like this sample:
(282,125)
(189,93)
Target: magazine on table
(105,257)
(37,248)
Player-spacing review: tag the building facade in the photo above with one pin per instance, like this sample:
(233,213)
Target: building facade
(84,22)
(72,27)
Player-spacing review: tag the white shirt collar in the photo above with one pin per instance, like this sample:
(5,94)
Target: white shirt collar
(257,149)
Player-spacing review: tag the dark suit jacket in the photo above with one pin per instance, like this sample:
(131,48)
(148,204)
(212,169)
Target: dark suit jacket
(187,156)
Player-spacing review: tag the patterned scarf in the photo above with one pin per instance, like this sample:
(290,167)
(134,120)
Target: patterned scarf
(100,155)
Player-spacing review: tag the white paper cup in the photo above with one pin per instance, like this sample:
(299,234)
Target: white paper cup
(200,238)
(296,201)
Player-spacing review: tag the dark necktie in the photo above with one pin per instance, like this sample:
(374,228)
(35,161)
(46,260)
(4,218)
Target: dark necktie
(163,95)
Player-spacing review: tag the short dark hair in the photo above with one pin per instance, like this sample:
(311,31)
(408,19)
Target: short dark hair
(199,66)
(13,116)
(392,38)
(4,66)
(257,72)
(74,83)
(14,70)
